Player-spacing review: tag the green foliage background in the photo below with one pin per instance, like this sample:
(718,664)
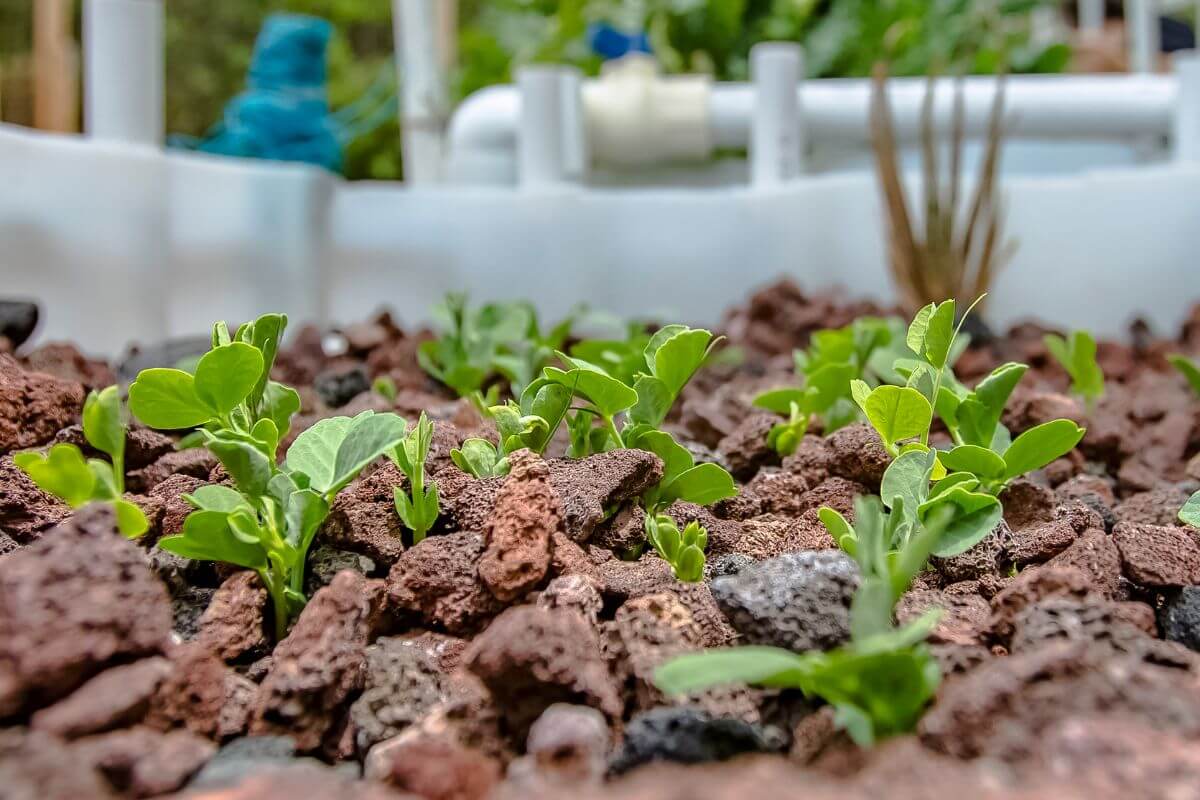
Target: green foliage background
(209,43)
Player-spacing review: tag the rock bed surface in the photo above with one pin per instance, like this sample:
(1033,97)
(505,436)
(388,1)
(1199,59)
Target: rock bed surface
(511,653)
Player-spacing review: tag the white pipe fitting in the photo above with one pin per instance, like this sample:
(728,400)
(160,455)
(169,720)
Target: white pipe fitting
(776,134)
(635,116)
(540,150)
(1091,16)
(1185,136)
(424,103)
(123,66)
(1141,30)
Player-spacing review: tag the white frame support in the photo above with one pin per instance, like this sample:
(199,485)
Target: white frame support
(1142,34)
(424,93)
(777,138)
(123,68)
(541,130)
(1185,134)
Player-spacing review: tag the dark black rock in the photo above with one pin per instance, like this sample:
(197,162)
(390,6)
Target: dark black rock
(1179,617)
(18,320)
(730,564)
(798,601)
(340,386)
(1097,504)
(689,736)
(324,562)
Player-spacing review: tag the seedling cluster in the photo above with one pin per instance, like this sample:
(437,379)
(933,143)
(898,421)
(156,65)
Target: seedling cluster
(1077,355)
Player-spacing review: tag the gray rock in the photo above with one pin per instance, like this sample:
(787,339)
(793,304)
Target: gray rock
(799,601)
(1180,617)
(243,757)
(689,736)
(339,387)
(730,564)
(403,684)
(18,319)
(324,562)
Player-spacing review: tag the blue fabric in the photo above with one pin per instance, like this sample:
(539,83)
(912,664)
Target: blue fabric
(284,113)
(609,42)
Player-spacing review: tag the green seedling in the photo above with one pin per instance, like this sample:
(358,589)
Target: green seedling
(1190,513)
(984,450)
(882,680)
(497,339)
(418,509)
(66,474)
(1077,355)
(266,522)
(230,392)
(834,359)
(684,551)
(530,424)
(1188,369)
(385,387)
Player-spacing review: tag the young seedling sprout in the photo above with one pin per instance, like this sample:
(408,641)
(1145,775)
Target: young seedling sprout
(684,551)
(64,473)
(418,509)
(1077,355)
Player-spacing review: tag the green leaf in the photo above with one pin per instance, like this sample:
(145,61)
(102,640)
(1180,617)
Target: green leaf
(976,460)
(131,520)
(678,358)
(898,413)
(763,666)
(278,404)
(1190,513)
(975,516)
(370,436)
(207,536)
(215,497)
(654,401)
(245,462)
(1188,369)
(979,413)
(915,338)
(315,451)
(265,334)
(477,458)
(780,400)
(837,526)
(62,472)
(689,565)
(166,399)
(226,375)
(860,390)
(675,457)
(703,485)
(607,394)
(939,335)
(103,426)
(1038,446)
(306,510)
(908,478)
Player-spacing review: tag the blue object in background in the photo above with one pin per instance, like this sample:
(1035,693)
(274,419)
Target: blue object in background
(284,114)
(609,42)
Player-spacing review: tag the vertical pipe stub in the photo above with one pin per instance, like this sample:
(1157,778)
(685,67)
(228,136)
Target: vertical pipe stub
(1185,126)
(123,65)
(776,130)
(541,158)
(1141,30)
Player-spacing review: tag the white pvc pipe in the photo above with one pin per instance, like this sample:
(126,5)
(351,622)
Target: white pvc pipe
(123,43)
(575,154)
(776,135)
(540,161)
(1141,30)
(1185,137)
(423,88)
(1091,16)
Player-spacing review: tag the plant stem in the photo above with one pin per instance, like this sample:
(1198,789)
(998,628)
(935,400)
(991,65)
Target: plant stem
(612,429)
(279,606)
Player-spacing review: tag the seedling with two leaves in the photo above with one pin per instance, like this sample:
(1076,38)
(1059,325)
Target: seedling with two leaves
(1077,355)
(531,424)
(66,474)
(983,451)
(834,359)
(683,550)
(418,508)
(880,682)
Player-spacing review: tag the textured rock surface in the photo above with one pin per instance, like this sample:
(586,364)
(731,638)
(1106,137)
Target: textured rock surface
(688,736)
(71,604)
(799,601)
(518,533)
(437,582)
(26,512)
(202,695)
(34,406)
(232,626)
(1180,617)
(317,669)
(35,765)
(142,762)
(404,681)
(531,658)
(115,698)
(1158,556)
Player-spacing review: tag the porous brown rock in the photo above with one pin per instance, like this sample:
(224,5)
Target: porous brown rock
(1158,556)
(73,603)
(64,361)
(856,453)
(567,747)
(34,406)
(175,509)
(963,619)
(403,683)
(1156,507)
(745,448)
(142,762)
(525,515)
(201,694)
(34,765)
(437,582)
(624,580)
(363,518)
(232,626)
(777,491)
(530,658)
(194,462)
(438,768)
(319,667)
(1095,553)
(579,593)
(115,698)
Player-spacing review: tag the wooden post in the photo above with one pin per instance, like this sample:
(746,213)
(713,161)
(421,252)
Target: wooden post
(55,67)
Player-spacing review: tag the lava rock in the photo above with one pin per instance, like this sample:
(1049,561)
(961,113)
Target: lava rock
(403,683)
(202,695)
(34,406)
(524,517)
(363,519)
(141,762)
(798,601)
(73,603)
(437,582)
(571,741)
(531,658)
(325,562)
(26,512)
(579,593)
(35,765)
(435,768)
(245,756)
(337,387)
(232,626)
(688,736)
(1180,617)
(730,564)
(1158,556)
(745,448)
(116,697)
(856,454)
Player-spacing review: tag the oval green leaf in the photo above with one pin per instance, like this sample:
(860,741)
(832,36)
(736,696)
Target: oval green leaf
(898,412)
(226,375)
(166,399)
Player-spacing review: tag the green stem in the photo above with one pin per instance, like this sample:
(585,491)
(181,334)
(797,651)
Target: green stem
(612,429)
(279,604)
